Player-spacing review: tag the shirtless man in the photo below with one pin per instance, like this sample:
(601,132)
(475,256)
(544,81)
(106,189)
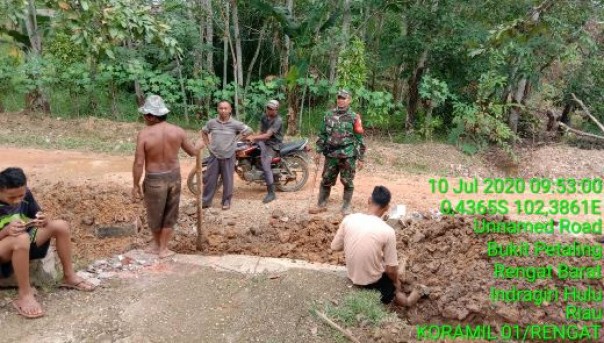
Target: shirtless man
(157,150)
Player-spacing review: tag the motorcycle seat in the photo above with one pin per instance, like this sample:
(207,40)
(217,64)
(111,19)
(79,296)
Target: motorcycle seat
(293,146)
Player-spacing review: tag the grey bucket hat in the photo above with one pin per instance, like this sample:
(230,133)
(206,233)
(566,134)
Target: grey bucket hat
(274,104)
(154,105)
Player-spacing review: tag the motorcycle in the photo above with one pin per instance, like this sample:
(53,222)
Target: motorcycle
(289,166)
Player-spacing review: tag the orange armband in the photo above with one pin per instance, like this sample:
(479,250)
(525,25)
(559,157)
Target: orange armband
(358,125)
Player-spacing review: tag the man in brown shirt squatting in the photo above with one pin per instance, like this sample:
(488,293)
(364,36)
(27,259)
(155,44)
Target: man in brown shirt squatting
(369,246)
(157,148)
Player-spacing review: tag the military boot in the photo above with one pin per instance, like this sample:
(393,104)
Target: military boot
(346,207)
(323,196)
(270,196)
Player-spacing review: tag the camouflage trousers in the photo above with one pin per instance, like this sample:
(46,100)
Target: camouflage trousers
(346,167)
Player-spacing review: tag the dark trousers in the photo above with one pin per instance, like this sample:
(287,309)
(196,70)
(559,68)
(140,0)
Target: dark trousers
(225,167)
(386,288)
(266,157)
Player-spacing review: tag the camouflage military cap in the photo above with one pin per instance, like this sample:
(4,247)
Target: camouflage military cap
(343,93)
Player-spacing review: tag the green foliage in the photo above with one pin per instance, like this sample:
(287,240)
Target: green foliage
(64,52)
(257,94)
(376,107)
(434,90)
(482,123)
(352,69)
(36,73)
(101,26)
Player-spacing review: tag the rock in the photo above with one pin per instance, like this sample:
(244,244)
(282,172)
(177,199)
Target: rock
(511,315)
(285,219)
(278,214)
(94,281)
(42,272)
(215,240)
(190,210)
(284,237)
(107,275)
(124,230)
(255,230)
(100,263)
(88,220)
(85,275)
(418,237)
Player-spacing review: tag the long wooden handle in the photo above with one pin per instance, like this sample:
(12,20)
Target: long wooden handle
(198,171)
(343,331)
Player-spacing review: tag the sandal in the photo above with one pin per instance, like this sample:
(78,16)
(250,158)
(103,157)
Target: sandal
(82,286)
(20,311)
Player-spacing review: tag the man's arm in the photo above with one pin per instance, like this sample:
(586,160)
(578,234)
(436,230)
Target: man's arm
(138,166)
(261,137)
(338,241)
(321,137)
(190,149)
(391,260)
(392,272)
(360,146)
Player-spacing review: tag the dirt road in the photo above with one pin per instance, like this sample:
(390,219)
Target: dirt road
(180,302)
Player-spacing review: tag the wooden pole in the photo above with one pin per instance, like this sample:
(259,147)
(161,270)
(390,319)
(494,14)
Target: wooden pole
(198,165)
(343,331)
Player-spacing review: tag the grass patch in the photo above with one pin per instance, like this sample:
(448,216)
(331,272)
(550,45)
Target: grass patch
(412,167)
(357,307)
(88,143)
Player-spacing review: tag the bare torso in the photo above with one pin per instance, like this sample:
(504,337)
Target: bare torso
(162,142)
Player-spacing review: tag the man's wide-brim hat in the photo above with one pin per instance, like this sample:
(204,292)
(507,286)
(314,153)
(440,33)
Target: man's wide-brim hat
(154,105)
(343,93)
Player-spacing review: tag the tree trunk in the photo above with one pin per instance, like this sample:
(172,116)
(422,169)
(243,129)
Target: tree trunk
(397,90)
(346,21)
(517,101)
(292,100)
(225,45)
(522,89)
(287,43)
(182,89)
(414,91)
(340,41)
(292,111)
(209,36)
(333,63)
(235,76)
(256,54)
(199,60)
(568,109)
(36,99)
(238,53)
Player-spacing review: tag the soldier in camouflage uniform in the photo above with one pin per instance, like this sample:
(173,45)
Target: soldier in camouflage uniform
(341,142)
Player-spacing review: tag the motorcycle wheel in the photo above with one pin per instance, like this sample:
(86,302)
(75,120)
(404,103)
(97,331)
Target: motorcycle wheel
(192,181)
(298,174)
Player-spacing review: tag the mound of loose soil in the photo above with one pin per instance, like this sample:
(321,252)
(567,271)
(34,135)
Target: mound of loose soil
(450,259)
(89,207)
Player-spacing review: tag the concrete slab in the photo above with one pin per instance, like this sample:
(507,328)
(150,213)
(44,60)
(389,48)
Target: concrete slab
(253,264)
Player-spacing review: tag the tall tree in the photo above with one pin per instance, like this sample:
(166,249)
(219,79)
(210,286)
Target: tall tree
(237,35)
